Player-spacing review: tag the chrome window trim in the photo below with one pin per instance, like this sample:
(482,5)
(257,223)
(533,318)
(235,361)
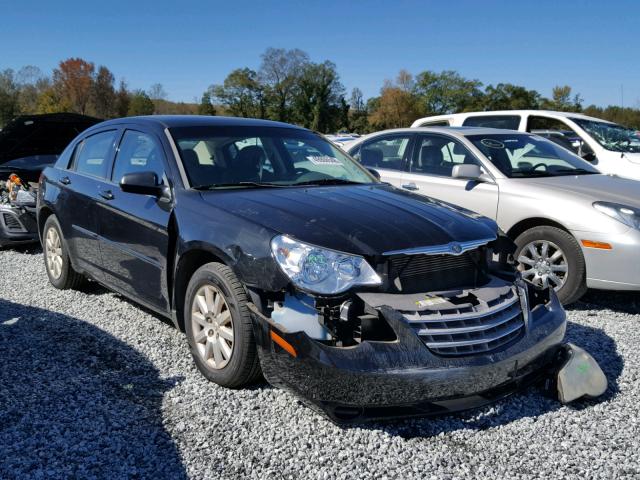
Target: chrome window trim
(451,248)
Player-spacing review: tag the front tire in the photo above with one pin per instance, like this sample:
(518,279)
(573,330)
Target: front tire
(56,257)
(551,257)
(219,328)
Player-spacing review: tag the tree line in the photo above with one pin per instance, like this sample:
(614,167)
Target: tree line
(289,87)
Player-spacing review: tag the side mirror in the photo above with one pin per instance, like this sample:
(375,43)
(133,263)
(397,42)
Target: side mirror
(144,183)
(468,171)
(590,157)
(374,172)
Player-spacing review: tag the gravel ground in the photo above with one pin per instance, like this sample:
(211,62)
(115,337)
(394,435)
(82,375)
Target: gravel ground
(94,387)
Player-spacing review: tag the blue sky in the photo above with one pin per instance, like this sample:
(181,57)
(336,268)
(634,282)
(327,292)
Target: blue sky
(189,45)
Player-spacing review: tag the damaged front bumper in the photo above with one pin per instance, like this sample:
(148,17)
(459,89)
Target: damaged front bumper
(17,225)
(407,376)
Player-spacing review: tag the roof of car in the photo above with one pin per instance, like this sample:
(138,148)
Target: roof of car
(455,131)
(170,121)
(515,112)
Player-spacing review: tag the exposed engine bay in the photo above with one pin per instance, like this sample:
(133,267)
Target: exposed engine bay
(18,210)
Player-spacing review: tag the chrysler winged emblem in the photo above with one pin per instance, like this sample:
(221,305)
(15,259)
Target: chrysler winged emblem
(455,248)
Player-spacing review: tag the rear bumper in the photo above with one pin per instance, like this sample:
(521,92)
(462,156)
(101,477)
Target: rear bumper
(17,225)
(375,380)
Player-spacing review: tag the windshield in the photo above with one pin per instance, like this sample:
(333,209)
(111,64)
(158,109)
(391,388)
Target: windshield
(527,156)
(228,157)
(611,136)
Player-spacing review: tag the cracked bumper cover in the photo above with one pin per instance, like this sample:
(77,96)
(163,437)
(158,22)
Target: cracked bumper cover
(404,378)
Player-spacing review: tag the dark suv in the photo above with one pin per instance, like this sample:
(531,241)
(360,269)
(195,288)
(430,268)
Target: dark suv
(277,253)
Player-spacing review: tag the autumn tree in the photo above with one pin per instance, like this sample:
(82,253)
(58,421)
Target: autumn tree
(74,81)
(31,83)
(395,108)
(280,72)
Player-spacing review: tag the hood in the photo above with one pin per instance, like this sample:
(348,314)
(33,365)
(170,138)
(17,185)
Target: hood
(365,220)
(40,135)
(632,157)
(609,188)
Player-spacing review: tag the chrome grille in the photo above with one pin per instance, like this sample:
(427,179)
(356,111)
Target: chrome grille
(470,329)
(12,223)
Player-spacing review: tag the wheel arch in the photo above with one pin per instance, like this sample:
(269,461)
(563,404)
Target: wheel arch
(43,214)
(528,223)
(188,262)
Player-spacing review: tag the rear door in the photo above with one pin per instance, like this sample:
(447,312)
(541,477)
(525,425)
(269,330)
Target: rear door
(133,228)
(430,173)
(78,195)
(388,154)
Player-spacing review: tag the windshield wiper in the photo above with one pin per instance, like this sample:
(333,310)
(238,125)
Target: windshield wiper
(239,184)
(328,181)
(575,171)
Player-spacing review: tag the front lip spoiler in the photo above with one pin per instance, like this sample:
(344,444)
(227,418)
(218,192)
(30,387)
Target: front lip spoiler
(384,380)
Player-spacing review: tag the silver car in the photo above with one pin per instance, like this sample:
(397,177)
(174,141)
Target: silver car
(573,226)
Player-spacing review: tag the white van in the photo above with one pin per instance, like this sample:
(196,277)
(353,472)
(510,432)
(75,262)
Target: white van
(612,148)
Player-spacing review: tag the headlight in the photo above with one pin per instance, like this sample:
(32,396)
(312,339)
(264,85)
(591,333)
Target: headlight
(320,270)
(628,215)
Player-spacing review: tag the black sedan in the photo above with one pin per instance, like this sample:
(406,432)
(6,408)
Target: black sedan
(277,253)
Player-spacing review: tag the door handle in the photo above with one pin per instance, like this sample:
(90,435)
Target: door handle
(65,180)
(107,194)
(410,186)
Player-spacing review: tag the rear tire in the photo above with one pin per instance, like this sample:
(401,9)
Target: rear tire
(56,257)
(219,328)
(548,254)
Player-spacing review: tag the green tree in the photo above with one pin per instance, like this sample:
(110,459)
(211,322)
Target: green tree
(9,96)
(123,100)
(241,93)
(31,83)
(206,107)
(319,96)
(104,94)
(505,96)
(562,100)
(279,74)
(446,92)
(358,112)
(140,104)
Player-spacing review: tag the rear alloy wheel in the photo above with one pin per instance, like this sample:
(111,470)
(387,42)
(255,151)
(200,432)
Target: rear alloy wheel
(219,327)
(551,257)
(56,257)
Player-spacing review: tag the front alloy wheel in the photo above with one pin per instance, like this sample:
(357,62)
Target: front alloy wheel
(544,264)
(212,326)
(53,252)
(550,257)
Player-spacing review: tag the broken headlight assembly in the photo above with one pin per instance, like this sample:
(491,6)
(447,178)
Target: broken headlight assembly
(320,270)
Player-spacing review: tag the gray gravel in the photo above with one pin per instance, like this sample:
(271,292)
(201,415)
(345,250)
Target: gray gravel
(92,386)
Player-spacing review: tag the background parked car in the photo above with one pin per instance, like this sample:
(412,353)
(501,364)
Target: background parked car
(612,148)
(574,227)
(28,144)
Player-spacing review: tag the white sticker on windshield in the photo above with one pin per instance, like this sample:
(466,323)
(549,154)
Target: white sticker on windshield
(491,143)
(324,160)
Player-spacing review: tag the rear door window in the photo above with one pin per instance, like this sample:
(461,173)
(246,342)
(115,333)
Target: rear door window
(93,154)
(508,122)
